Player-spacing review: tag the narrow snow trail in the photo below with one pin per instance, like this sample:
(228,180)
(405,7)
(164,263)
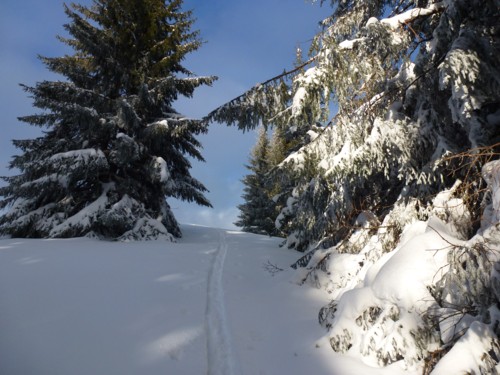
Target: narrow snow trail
(207,304)
(220,358)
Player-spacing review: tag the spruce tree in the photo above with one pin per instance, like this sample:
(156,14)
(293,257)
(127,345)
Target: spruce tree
(416,92)
(257,214)
(397,87)
(113,147)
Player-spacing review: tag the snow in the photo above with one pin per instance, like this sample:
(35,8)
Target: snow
(53,177)
(161,164)
(383,306)
(420,260)
(124,136)
(147,229)
(394,24)
(468,350)
(219,349)
(226,302)
(32,215)
(84,217)
(349,44)
(491,174)
(163,123)
(397,21)
(79,155)
(383,312)
(82,306)
(298,100)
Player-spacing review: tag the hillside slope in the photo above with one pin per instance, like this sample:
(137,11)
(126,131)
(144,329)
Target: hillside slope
(207,304)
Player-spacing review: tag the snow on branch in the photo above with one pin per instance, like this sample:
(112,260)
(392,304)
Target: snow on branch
(349,44)
(395,22)
(241,109)
(411,15)
(82,220)
(251,108)
(79,155)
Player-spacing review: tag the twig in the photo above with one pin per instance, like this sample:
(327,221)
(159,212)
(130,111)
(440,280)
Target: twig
(444,239)
(273,269)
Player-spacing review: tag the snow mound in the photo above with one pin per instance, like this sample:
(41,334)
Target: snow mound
(430,301)
(147,229)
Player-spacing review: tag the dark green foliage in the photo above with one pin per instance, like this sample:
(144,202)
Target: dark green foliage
(410,90)
(258,213)
(114,148)
(270,184)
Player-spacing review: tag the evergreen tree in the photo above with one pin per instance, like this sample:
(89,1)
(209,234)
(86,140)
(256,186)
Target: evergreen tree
(285,173)
(417,88)
(114,148)
(397,83)
(278,147)
(257,214)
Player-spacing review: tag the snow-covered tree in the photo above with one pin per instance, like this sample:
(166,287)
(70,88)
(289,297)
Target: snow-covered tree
(396,83)
(257,213)
(113,148)
(268,186)
(415,90)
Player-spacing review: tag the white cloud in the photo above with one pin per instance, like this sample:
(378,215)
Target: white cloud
(216,218)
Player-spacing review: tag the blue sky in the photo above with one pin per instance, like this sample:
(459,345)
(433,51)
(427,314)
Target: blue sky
(246,42)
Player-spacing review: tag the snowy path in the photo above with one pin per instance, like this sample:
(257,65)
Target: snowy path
(219,349)
(204,305)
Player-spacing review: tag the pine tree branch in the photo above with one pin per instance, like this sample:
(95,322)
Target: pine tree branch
(391,23)
(213,116)
(287,73)
(365,107)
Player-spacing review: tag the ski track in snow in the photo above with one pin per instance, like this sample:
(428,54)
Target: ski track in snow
(220,358)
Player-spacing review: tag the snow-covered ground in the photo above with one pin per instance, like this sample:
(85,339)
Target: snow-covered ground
(205,305)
